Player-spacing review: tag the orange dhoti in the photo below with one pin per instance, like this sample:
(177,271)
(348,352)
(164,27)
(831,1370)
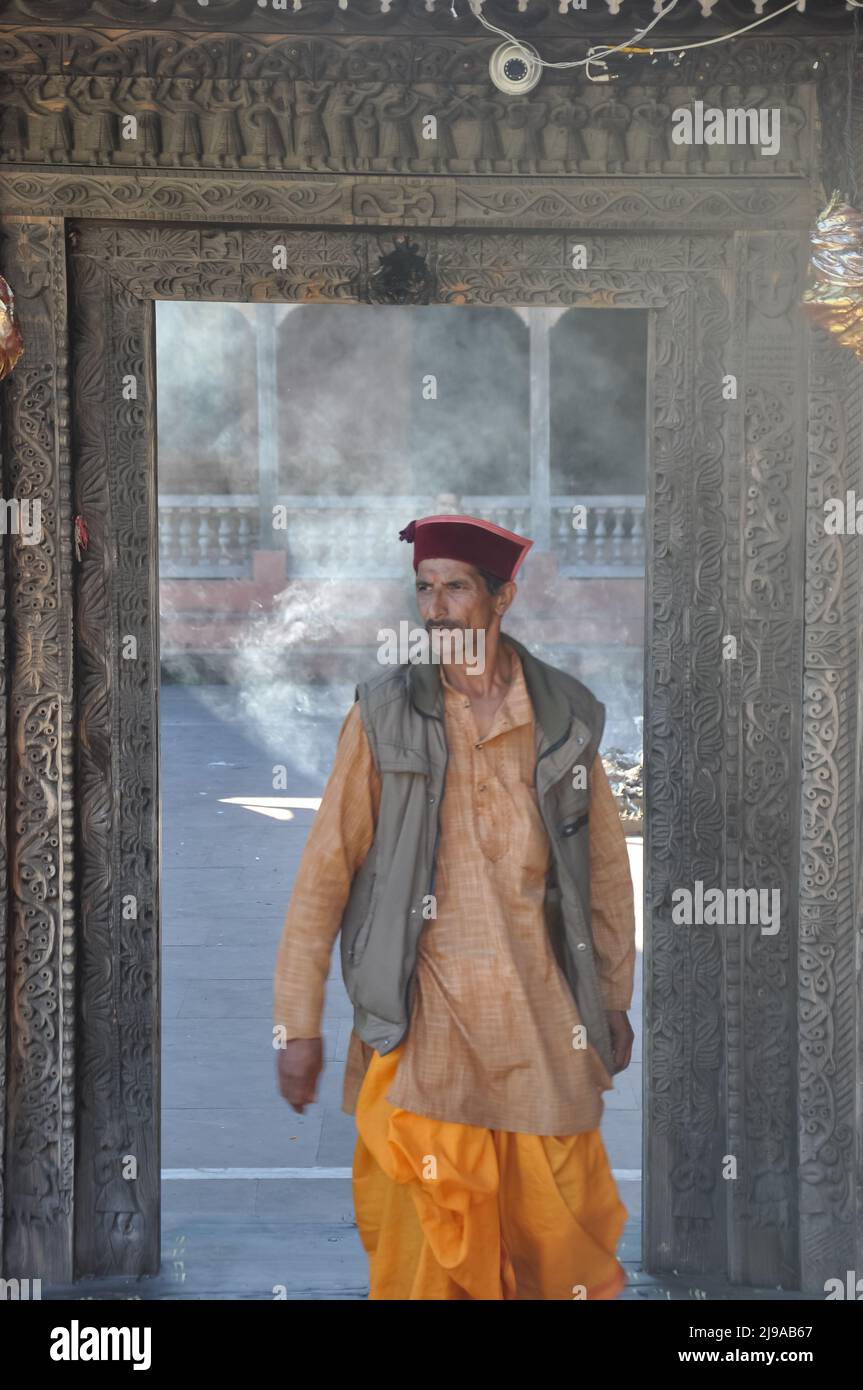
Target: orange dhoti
(452,1211)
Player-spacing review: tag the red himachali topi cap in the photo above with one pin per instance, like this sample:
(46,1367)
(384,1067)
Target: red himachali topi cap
(467,538)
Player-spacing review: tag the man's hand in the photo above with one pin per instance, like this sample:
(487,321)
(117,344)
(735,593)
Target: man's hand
(299,1064)
(622,1038)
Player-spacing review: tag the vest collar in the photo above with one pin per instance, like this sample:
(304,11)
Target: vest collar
(550,705)
(426,691)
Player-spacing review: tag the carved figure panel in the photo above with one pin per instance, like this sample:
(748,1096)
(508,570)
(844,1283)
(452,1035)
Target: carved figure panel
(197,120)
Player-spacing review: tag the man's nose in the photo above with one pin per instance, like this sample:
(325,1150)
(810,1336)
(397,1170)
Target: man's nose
(439,606)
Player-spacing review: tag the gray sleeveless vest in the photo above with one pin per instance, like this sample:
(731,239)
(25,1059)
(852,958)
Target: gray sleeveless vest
(403,714)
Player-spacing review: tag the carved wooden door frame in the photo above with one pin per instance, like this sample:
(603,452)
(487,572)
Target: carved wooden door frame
(731,1039)
(117,273)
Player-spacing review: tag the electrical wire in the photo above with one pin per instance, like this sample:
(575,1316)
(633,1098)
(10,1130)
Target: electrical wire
(598,54)
(580,62)
(723,38)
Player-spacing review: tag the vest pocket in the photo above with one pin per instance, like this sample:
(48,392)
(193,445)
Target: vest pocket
(392,757)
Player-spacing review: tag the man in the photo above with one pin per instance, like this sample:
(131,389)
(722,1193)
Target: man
(469,848)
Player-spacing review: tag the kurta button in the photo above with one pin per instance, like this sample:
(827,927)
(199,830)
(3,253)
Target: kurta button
(431,801)
(580,946)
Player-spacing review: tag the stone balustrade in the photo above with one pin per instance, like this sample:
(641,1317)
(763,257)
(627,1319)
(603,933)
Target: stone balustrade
(213,536)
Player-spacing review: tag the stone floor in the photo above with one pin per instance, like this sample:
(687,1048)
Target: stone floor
(275,1219)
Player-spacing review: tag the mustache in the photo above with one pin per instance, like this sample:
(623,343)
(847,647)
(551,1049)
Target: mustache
(446,626)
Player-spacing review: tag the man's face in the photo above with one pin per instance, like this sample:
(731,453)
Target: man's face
(451,594)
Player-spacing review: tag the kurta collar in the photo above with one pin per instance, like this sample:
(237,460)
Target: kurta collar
(515,708)
(550,707)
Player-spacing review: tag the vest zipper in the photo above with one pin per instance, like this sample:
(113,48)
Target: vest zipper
(553,749)
(412,981)
(552,832)
(437,825)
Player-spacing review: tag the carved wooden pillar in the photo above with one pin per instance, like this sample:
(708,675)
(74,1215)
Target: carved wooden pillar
(685,764)
(761,969)
(40,1134)
(830,1009)
(721,1011)
(117,630)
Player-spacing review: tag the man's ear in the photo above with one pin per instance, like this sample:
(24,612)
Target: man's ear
(505,596)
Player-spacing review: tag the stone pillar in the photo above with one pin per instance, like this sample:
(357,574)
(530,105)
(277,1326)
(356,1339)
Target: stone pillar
(540,322)
(266,319)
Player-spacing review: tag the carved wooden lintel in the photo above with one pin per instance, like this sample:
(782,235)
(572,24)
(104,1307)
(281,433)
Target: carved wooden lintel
(652,204)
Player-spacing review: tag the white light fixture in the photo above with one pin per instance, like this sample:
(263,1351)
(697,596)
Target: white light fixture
(515,68)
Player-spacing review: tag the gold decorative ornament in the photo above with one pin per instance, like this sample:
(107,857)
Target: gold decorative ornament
(834,284)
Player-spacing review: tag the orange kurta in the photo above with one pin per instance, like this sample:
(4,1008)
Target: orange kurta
(494,1022)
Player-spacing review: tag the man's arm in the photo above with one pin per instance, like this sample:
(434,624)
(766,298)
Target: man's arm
(612,907)
(339,840)
(612,912)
